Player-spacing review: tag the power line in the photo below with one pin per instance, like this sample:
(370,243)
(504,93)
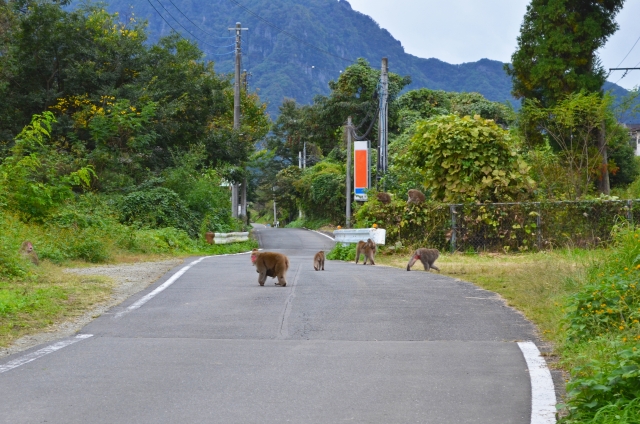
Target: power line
(185,28)
(632,47)
(291,35)
(196,25)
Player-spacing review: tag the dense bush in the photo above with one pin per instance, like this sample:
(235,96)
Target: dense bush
(157,208)
(605,313)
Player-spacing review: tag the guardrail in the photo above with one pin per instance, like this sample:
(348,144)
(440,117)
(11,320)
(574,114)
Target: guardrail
(225,238)
(354,235)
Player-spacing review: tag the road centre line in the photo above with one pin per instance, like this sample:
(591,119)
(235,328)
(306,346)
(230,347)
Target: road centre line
(42,352)
(283,333)
(543,395)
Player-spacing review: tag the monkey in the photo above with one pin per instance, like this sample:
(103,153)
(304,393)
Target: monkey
(415,197)
(384,198)
(27,251)
(426,256)
(318,261)
(270,264)
(368,249)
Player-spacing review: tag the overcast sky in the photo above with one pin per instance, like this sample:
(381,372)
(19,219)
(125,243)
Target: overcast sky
(458,31)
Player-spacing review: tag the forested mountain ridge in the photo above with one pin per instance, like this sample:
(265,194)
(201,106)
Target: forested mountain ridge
(283,67)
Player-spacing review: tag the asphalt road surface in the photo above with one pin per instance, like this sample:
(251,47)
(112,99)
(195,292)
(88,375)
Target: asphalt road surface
(353,343)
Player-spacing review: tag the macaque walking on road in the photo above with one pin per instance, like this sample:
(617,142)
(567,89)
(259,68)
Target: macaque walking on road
(318,261)
(426,256)
(368,249)
(270,264)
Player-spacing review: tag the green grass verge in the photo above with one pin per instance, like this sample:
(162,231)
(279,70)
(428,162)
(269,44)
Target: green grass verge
(586,302)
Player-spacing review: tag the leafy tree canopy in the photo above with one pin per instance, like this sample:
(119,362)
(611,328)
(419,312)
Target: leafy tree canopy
(557,47)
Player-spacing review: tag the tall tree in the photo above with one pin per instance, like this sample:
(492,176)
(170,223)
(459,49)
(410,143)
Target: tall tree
(557,46)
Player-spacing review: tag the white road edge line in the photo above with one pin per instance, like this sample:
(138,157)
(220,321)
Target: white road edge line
(167,283)
(322,234)
(40,353)
(159,289)
(543,395)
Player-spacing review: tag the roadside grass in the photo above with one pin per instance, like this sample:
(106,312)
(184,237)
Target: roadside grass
(46,296)
(33,298)
(586,303)
(534,283)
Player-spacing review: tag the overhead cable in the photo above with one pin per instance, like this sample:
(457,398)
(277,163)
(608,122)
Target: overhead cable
(291,35)
(185,28)
(632,47)
(196,25)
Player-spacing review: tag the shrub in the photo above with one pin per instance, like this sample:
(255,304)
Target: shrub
(342,252)
(158,208)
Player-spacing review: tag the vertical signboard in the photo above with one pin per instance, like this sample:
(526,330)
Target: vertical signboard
(361,170)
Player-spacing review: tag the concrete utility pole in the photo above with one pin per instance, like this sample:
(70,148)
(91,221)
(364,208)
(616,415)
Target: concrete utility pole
(236,122)
(383,127)
(348,130)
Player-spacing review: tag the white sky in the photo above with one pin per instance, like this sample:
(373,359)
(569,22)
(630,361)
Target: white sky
(458,31)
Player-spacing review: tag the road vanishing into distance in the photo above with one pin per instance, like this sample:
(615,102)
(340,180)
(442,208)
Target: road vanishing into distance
(351,344)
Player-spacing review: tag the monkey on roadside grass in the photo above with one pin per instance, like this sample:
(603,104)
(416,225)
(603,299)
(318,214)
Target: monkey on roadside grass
(426,256)
(270,264)
(318,261)
(366,248)
(27,250)
(384,198)
(415,197)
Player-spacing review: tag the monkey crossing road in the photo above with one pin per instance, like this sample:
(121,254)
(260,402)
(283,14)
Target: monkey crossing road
(207,344)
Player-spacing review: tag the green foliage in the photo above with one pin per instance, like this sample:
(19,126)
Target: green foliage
(605,311)
(35,179)
(424,104)
(557,47)
(467,159)
(322,192)
(426,224)
(157,208)
(573,127)
(342,252)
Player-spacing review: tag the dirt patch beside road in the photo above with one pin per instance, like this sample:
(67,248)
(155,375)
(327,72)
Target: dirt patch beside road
(129,279)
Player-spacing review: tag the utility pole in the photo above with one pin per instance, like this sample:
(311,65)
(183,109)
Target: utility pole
(304,156)
(236,122)
(383,127)
(348,130)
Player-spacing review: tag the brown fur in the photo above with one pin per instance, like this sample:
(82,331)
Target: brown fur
(366,248)
(27,250)
(270,264)
(384,198)
(318,261)
(415,197)
(426,256)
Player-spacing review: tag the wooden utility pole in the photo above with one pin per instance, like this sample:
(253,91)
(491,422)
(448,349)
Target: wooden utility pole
(383,127)
(603,184)
(348,130)
(236,122)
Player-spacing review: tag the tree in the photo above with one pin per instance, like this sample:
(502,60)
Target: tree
(557,47)
(467,160)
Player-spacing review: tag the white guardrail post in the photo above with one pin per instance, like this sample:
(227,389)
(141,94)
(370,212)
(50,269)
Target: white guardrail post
(354,235)
(225,238)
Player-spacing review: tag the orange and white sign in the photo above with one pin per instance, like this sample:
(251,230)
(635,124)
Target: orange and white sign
(361,170)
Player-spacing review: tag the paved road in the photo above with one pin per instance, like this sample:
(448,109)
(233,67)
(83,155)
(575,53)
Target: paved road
(363,344)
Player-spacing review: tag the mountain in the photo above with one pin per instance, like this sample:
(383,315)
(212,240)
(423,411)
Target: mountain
(293,48)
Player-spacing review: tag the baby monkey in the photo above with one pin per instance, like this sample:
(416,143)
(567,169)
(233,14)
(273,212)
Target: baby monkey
(318,261)
(426,256)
